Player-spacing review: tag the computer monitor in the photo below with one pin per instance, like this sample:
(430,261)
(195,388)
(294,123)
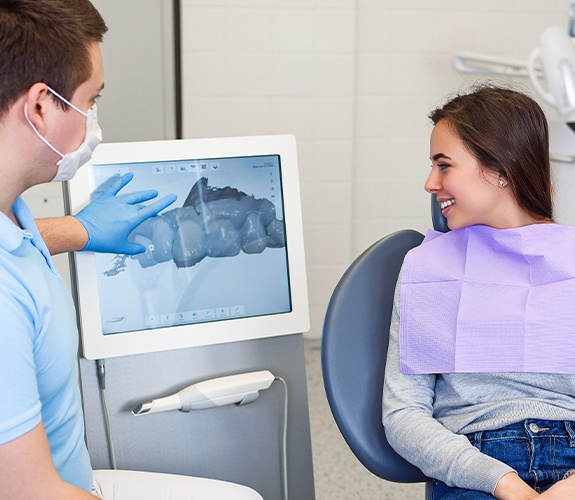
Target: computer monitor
(224,263)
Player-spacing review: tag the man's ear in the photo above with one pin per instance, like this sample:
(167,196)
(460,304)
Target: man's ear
(37,106)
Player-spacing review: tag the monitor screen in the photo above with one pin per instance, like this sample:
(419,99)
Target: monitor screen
(223,263)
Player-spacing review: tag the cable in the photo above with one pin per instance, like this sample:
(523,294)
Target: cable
(101,370)
(284,441)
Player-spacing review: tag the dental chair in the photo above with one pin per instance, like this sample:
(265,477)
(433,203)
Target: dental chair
(354,350)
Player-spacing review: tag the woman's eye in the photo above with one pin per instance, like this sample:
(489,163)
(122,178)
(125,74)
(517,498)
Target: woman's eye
(443,166)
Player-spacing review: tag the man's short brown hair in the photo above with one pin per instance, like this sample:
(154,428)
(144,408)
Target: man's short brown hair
(46,41)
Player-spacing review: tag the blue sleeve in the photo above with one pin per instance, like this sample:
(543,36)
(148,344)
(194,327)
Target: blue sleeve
(20,408)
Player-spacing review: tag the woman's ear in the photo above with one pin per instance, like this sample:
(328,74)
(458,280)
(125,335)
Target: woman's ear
(36,106)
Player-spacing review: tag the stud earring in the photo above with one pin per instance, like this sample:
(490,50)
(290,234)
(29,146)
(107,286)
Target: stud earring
(501,183)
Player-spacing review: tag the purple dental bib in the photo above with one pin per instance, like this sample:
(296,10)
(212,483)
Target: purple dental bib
(479,299)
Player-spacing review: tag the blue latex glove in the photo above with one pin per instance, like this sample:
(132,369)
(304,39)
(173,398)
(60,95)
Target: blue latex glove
(109,219)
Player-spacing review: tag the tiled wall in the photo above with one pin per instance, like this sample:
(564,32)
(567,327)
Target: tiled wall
(353,80)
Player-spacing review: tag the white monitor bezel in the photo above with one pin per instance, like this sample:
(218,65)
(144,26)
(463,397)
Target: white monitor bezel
(95,345)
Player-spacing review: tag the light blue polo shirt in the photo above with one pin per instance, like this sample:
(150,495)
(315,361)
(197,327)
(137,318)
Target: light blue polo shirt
(38,349)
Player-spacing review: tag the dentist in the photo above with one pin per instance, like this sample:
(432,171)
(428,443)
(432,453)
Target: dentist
(51,75)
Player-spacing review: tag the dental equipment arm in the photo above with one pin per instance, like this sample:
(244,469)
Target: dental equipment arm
(238,389)
(552,61)
(474,62)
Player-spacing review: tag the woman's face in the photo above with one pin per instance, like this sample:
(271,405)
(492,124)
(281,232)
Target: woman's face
(468,193)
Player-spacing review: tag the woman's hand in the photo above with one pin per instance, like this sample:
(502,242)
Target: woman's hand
(512,487)
(561,490)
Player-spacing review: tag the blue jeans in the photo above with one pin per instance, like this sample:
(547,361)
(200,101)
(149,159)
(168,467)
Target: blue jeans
(541,451)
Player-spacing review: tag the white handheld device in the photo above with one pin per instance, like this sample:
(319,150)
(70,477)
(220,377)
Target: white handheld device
(238,389)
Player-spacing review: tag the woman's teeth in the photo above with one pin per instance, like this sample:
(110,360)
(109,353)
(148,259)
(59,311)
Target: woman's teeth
(445,204)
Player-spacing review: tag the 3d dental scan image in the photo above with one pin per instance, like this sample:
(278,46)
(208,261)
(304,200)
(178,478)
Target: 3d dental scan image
(213,222)
(227,231)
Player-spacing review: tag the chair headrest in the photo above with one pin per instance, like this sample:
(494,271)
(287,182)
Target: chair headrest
(439,221)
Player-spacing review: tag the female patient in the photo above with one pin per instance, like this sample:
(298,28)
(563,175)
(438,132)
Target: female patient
(479,393)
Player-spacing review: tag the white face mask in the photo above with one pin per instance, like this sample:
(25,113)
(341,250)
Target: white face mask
(71,162)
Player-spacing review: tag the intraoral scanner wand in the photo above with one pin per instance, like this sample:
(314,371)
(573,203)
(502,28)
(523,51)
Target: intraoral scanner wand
(238,389)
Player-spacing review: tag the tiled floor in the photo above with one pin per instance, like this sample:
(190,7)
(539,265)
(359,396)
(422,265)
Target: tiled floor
(338,474)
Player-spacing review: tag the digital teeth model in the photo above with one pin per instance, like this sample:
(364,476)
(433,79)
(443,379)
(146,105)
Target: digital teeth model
(445,204)
(213,222)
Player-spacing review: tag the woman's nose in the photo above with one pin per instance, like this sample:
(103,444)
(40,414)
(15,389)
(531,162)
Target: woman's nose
(433,183)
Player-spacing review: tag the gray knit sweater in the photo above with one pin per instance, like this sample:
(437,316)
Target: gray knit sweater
(425,415)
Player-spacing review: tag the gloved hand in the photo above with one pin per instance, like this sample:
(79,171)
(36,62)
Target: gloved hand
(109,219)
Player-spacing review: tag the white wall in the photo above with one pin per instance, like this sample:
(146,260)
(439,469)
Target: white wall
(353,80)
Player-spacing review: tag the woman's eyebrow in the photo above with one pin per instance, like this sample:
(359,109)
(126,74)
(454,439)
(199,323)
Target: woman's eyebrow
(439,156)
